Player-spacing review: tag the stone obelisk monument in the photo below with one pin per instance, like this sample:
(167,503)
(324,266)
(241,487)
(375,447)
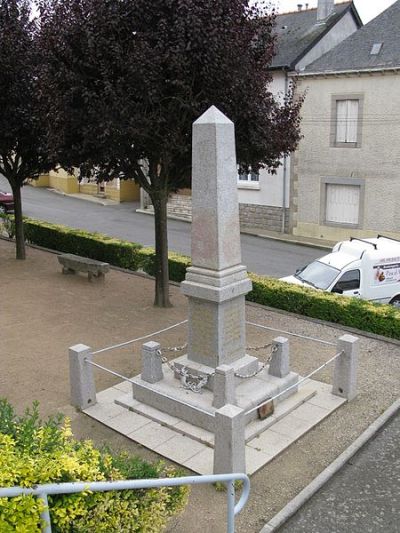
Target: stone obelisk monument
(217,282)
(216,363)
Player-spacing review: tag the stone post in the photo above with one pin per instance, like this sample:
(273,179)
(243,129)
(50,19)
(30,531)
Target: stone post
(345,372)
(279,365)
(83,388)
(151,362)
(230,445)
(224,386)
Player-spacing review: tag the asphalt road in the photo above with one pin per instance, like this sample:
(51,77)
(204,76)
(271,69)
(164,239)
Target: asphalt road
(262,256)
(364,497)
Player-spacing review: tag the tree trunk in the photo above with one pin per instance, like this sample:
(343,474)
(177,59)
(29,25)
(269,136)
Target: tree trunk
(19,227)
(159,200)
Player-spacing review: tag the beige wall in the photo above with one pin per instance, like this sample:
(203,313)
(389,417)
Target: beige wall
(127,191)
(376,162)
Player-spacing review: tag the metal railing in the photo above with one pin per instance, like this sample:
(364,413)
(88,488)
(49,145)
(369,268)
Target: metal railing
(50,489)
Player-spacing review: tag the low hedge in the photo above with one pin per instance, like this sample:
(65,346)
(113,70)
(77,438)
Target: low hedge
(352,312)
(35,452)
(360,314)
(79,242)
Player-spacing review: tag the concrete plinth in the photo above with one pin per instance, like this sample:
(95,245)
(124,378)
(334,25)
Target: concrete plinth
(168,396)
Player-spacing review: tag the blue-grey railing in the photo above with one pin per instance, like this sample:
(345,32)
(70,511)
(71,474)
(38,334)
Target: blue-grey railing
(42,491)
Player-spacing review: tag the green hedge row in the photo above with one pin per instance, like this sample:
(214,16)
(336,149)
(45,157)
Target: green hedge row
(360,314)
(124,254)
(352,312)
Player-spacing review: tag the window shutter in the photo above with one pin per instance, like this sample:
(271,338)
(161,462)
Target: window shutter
(341,118)
(342,203)
(352,120)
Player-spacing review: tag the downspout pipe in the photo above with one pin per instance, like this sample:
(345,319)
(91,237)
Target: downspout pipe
(285,158)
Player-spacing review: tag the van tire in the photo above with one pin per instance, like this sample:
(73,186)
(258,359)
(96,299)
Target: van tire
(395,301)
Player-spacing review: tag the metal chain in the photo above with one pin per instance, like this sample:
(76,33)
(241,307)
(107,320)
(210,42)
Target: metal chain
(195,383)
(274,348)
(175,348)
(192,382)
(257,348)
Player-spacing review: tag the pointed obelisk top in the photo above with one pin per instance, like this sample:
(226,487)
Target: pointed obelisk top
(213,116)
(215,207)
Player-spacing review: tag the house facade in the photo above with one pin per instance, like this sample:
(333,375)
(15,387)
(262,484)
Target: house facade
(116,190)
(303,36)
(346,171)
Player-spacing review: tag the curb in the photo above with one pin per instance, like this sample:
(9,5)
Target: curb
(298,501)
(289,241)
(254,233)
(95,200)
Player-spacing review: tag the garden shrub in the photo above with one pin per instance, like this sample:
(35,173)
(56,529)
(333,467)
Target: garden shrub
(360,314)
(35,452)
(352,312)
(79,242)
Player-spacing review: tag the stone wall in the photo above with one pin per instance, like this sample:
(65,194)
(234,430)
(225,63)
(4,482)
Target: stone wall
(262,217)
(180,205)
(251,216)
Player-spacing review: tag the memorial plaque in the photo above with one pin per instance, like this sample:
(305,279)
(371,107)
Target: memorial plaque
(233,330)
(202,334)
(266,410)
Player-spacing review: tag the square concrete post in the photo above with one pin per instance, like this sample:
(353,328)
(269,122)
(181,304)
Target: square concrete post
(224,386)
(279,365)
(151,362)
(230,445)
(83,388)
(345,372)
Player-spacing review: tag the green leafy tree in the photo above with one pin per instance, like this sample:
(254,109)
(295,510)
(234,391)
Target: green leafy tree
(124,80)
(22,141)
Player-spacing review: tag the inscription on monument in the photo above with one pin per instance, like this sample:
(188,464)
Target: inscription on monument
(232,332)
(202,335)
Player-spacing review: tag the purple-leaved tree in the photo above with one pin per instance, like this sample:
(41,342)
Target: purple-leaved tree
(123,80)
(22,141)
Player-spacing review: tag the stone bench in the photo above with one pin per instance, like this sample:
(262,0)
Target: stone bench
(74,263)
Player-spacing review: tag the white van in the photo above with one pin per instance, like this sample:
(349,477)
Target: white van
(363,268)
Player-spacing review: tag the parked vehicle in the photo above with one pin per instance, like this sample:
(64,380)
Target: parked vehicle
(6,202)
(363,268)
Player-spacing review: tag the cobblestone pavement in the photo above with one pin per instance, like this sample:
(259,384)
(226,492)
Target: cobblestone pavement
(363,497)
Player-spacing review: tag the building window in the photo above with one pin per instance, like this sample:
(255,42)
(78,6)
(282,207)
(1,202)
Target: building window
(248,180)
(346,121)
(249,177)
(342,202)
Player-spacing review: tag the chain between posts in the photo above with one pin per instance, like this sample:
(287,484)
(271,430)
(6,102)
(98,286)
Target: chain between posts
(196,383)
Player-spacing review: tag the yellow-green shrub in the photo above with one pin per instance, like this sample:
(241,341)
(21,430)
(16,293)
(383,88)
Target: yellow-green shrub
(35,452)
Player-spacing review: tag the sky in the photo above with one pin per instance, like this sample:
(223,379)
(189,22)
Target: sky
(367,9)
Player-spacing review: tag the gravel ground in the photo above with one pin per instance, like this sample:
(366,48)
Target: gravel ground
(43,312)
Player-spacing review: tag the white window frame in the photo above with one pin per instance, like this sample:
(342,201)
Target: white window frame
(325,182)
(346,120)
(251,180)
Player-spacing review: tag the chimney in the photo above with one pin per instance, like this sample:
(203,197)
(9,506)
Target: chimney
(325,9)
(299,7)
